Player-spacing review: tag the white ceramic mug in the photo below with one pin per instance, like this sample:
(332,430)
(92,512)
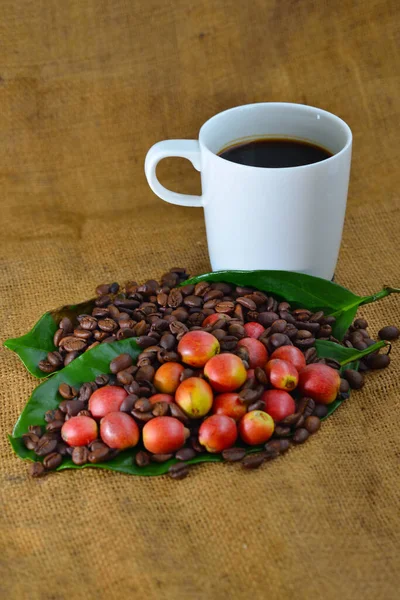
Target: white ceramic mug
(288,218)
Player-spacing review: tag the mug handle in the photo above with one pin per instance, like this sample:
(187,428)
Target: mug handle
(189,149)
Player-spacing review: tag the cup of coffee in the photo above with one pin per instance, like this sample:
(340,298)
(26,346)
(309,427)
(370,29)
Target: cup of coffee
(274,179)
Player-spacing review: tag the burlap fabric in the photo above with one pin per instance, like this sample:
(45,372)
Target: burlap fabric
(85,88)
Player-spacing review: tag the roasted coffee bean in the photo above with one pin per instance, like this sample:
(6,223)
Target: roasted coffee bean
(219,334)
(45,446)
(66,325)
(99,312)
(143,417)
(390,332)
(258,405)
(201,288)
(237,330)
(36,469)
(185,454)
(63,406)
(132,388)
(102,380)
(54,415)
(325,331)
(58,336)
(354,378)
(100,336)
(308,406)
(334,364)
(71,343)
(303,334)
(193,301)
(233,454)
(348,344)
(213,295)
(35,429)
(61,448)
(74,407)
(291,420)
(228,343)
(164,356)
(168,341)
(344,386)
(304,344)
(178,328)
(55,359)
(283,306)
(243,291)
(85,392)
(360,345)
(124,377)
(300,435)
(360,323)
(114,288)
(143,405)
(287,317)
(246,303)
(187,290)
(312,424)
(310,355)
(128,403)
(46,367)
(178,471)
(99,455)
(161,458)
(320,410)
(145,341)
(186,373)
(67,391)
(238,312)
(146,389)
(97,444)
(142,458)
(162,299)
(107,325)
(30,440)
(175,298)
(178,413)
(300,422)
(312,327)
(291,332)
(253,461)
(126,303)
(195,444)
(145,373)
(80,455)
(280,445)
(317,317)
(377,361)
(249,396)
(52,461)
(261,376)
(276,340)
(113,312)
(267,318)
(225,307)
(141,329)
(278,326)
(160,409)
(55,426)
(282,430)
(103,289)
(84,413)
(88,323)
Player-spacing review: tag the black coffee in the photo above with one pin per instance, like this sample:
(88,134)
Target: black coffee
(275,153)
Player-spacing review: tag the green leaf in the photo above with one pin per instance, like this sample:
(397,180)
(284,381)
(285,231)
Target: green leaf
(34,345)
(302,290)
(95,362)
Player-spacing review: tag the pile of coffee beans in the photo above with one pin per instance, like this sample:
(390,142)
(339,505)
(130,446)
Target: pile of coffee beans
(223,369)
(160,313)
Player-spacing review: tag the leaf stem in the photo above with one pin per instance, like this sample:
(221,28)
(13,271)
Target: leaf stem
(366,352)
(387,290)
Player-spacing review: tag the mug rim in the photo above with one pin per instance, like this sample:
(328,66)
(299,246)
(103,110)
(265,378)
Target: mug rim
(345,127)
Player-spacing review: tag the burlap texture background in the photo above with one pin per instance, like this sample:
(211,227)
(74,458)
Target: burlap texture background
(85,88)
